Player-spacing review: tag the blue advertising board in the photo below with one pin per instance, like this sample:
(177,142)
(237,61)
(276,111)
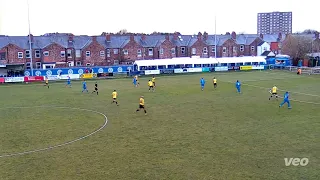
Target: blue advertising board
(61,71)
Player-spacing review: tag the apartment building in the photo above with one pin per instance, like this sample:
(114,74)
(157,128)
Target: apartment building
(274,23)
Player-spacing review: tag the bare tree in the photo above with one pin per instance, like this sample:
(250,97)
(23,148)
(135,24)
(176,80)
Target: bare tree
(310,31)
(122,31)
(297,46)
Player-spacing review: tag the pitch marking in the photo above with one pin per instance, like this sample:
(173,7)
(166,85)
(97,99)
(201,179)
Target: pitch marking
(63,144)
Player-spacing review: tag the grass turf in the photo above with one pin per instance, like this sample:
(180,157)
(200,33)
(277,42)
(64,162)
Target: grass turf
(187,134)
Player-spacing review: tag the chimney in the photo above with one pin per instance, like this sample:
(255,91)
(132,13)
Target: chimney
(205,36)
(131,37)
(108,37)
(227,33)
(279,36)
(176,36)
(261,36)
(199,35)
(30,36)
(167,37)
(70,37)
(94,38)
(143,37)
(234,35)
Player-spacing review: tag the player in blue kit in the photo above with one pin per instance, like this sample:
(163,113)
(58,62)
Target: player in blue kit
(68,82)
(84,86)
(286,100)
(202,83)
(134,81)
(238,86)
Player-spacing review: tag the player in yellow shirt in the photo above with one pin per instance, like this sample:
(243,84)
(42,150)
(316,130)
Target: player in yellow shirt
(47,82)
(141,105)
(150,84)
(214,82)
(114,97)
(153,81)
(273,92)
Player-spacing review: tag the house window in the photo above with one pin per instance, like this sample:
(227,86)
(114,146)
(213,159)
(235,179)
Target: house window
(115,62)
(88,64)
(27,53)
(37,53)
(115,51)
(125,52)
(20,55)
(224,50)
(194,51)
(3,56)
(28,66)
(213,49)
(108,52)
(102,54)
(139,54)
(62,53)
(161,50)
(173,51)
(88,53)
(265,48)
(69,53)
(241,48)
(38,65)
(78,63)
(205,50)
(183,50)
(46,53)
(150,52)
(78,53)
(234,49)
(252,48)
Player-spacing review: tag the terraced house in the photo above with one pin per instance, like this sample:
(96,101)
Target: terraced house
(63,50)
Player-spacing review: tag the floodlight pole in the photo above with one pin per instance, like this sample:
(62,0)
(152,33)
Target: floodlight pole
(215,37)
(30,41)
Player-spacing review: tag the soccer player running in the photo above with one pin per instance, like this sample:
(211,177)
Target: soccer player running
(202,83)
(273,92)
(141,105)
(238,86)
(151,87)
(153,81)
(84,86)
(68,82)
(137,79)
(134,81)
(47,82)
(96,88)
(114,97)
(285,100)
(214,82)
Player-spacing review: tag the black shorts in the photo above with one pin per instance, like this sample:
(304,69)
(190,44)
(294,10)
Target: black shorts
(114,99)
(96,89)
(141,106)
(150,87)
(274,93)
(214,84)
(154,83)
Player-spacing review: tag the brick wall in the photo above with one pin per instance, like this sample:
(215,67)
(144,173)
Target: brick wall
(95,58)
(132,47)
(54,53)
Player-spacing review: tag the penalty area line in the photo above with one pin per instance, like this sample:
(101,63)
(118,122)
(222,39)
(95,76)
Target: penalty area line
(63,144)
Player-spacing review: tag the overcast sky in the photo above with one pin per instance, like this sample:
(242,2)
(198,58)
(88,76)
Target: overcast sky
(91,17)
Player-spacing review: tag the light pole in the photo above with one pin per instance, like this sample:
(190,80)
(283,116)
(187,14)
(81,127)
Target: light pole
(30,41)
(215,37)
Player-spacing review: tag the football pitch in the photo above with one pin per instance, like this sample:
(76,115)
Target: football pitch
(60,133)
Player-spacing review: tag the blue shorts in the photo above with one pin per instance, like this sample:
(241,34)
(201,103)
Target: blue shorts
(84,87)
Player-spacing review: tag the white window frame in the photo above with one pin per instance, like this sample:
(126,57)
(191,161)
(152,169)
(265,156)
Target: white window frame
(102,54)
(69,53)
(241,48)
(194,51)
(27,53)
(173,50)
(37,54)
(20,55)
(265,48)
(88,64)
(224,50)
(150,51)
(78,53)
(28,65)
(115,51)
(116,62)
(46,53)
(88,53)
(125,52)
(108,52)
(253,48)
(139,53)
(213,49)
(38,65)
(205,50)
(183,50)
(63,54)
(161,51)
(78,63)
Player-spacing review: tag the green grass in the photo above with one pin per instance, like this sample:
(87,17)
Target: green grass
(187,134)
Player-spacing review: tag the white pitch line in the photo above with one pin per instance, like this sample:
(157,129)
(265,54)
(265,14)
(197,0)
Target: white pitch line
(63,144)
